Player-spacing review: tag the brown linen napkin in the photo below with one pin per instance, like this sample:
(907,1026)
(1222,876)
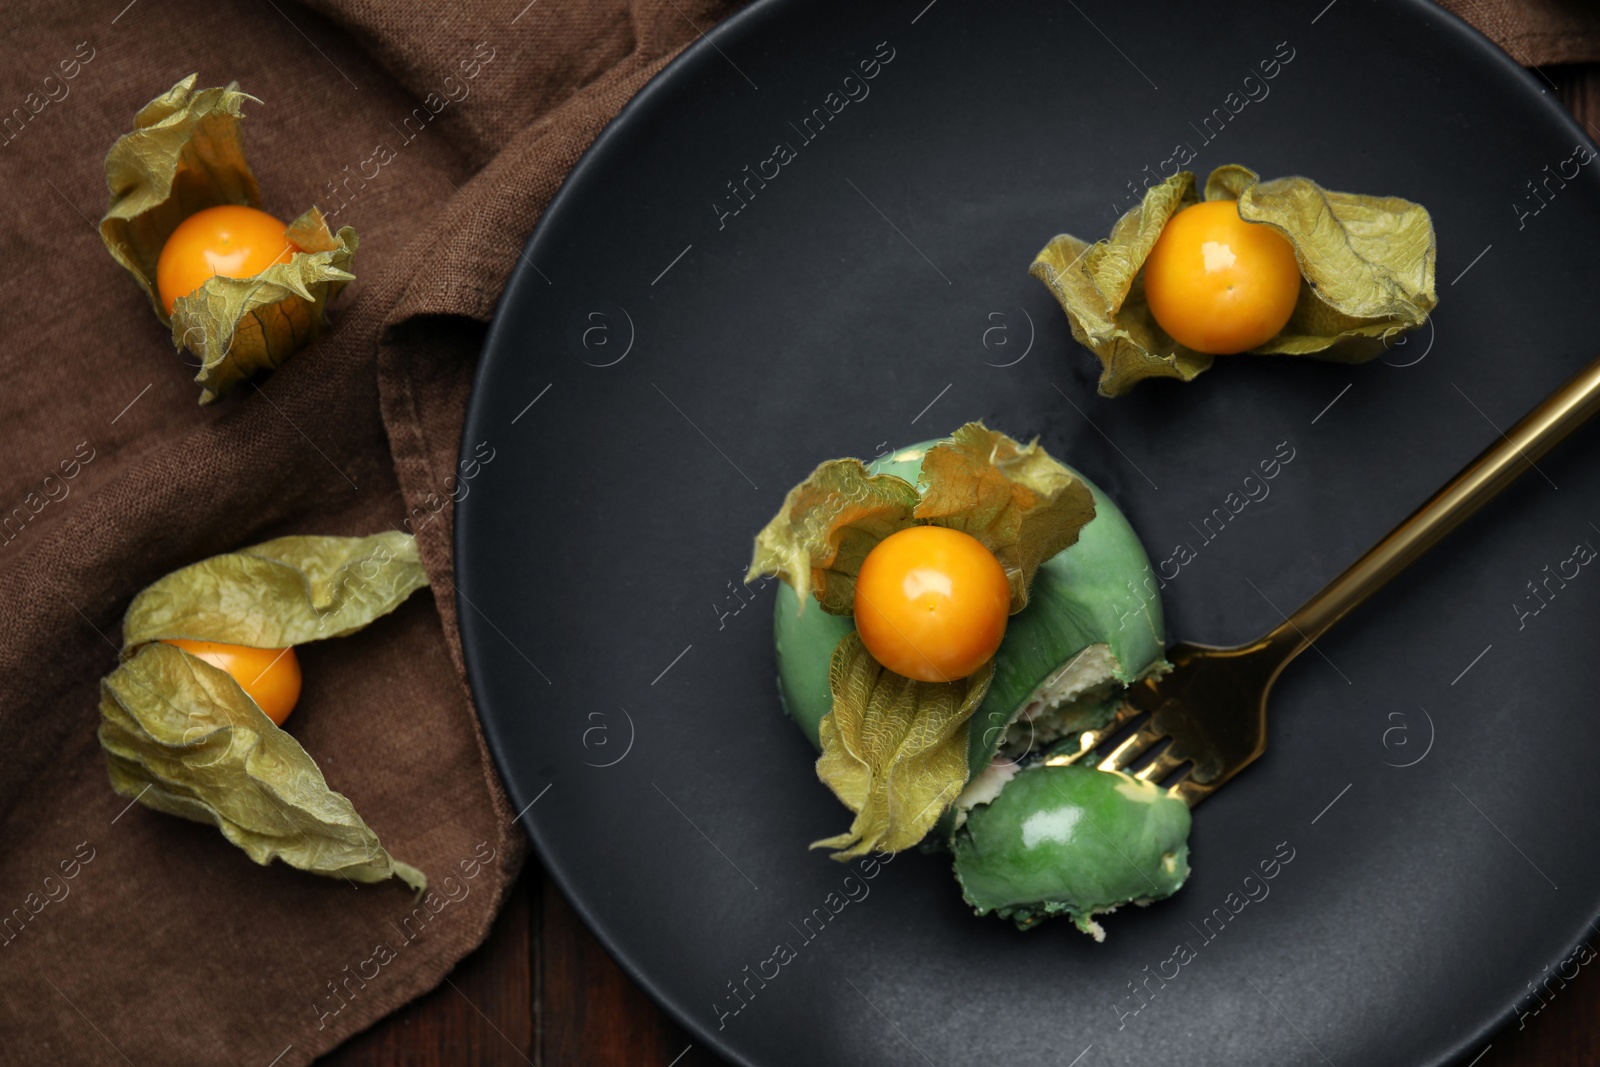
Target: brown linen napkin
(130,936)
(1536,32)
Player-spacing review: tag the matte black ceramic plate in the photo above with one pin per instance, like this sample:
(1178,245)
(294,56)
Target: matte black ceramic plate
(678,351)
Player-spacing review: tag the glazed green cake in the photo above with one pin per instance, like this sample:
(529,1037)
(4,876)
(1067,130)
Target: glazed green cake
(1093,625)
(1071,841)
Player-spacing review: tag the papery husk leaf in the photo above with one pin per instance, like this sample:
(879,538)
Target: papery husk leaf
(826,527)
(1018,500)
(1101,288)
(1367,266)
(279,593)
(1229,181)
(186,154)
(238,326)
(894,750)
(181,737)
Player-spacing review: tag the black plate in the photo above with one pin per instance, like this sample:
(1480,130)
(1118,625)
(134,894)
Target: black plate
(686,365)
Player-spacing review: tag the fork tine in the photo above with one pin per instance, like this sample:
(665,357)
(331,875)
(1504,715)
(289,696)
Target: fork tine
(1160,768)
(1132,747)
(1090,740)
(1192,792)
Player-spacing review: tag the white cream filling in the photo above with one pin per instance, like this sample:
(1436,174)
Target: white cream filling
(1045,716)
(986,784)
(1041,719)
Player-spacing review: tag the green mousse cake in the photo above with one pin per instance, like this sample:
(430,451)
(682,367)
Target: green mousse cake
(1092,627)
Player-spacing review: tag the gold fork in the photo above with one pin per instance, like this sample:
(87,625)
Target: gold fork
(1213,703)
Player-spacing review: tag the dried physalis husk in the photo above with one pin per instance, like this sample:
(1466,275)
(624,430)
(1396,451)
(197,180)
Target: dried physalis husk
(894,749)
(1019,500)
(182,737)
(184,155)
(1366,265)
(827,525)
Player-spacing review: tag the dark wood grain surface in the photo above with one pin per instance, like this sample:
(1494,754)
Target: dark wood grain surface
(542,991)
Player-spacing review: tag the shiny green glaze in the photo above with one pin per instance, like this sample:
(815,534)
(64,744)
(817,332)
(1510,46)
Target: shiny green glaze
(1071,841)
(805,646)
(1100,590)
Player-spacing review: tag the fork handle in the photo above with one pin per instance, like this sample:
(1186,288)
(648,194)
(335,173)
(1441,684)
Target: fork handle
(1481,481)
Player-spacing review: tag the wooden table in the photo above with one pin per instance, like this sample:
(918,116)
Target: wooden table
(542,991)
